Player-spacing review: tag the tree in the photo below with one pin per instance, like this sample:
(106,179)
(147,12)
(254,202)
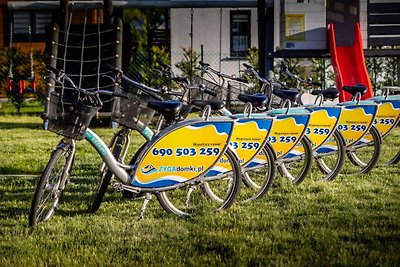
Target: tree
(188,64)
(144,60)
(374,67)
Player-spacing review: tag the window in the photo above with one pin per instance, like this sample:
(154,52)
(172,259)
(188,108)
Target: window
(240,33)
(24,20)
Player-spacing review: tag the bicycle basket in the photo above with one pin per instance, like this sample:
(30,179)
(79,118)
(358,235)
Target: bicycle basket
(70,118)
(133,111)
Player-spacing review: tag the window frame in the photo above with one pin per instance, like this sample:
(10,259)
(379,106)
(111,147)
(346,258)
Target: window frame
(241,54)
(24,37)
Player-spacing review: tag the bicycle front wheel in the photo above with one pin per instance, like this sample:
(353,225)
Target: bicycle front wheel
(365,156)
(259,175)
(330,158)
(213,193)
(296,168)
(51,184)
(394,160)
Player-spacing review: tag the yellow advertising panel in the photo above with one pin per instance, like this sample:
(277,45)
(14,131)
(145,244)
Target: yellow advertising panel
(286,132)
(386,119)
(183,154)
(322,123)
(355,121)
(387,116)
(248,138)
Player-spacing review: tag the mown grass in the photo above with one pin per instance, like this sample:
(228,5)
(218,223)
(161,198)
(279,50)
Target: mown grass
(32,108)
(351,221)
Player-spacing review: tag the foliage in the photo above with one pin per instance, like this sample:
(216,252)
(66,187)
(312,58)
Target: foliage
(21,66)
(374,67)
(146,68)
(390,72)
(296,66)
(383,70)
(16,99)
(252,57)
(144,59)
(40,59)
(188,64)
(4,68)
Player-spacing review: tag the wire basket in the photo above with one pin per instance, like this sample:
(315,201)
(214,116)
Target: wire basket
(132,112)
(71,118)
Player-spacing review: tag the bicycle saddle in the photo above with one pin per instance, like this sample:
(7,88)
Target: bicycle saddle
(215,104)
(330,92)
(169,108)
(290,94)
(357,88)
(257,100)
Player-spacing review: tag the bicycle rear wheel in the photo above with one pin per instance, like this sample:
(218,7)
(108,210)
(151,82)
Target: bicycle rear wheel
(51,184)
(365,156)
(330,159)
(296,168)
(213,193)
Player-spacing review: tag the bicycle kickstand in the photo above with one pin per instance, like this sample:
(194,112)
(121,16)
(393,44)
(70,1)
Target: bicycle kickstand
(147,198)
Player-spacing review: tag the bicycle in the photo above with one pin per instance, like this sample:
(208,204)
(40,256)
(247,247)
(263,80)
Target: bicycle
(206,140)
(245,150)
(355,124)
(292,149)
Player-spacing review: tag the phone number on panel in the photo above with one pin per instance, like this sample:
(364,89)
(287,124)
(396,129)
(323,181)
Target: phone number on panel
(245,145)
(353,127)
(179,152)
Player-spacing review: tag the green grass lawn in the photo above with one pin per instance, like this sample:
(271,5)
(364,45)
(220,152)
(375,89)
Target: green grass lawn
(351,221)
(28,108)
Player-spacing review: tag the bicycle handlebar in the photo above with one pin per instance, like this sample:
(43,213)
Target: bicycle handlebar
(285,69)
(256,74)
(153,92)
(61,75)
(206,67)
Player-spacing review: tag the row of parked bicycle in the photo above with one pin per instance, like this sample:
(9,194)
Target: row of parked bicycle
(193,164)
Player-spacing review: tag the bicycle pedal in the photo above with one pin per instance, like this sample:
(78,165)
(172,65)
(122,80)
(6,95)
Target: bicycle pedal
(118,187)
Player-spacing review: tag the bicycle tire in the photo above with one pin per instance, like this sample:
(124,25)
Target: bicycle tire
(258,184)
(394,160)
(176,201)
(306,159)
(366,165)
(338,160)
(45,205)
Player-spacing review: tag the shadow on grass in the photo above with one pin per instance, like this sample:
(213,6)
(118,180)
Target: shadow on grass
(20,125)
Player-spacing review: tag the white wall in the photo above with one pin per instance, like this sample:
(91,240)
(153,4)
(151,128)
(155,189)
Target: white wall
(207,31)
(315,19)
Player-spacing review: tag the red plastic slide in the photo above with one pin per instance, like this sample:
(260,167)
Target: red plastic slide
(349,64)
